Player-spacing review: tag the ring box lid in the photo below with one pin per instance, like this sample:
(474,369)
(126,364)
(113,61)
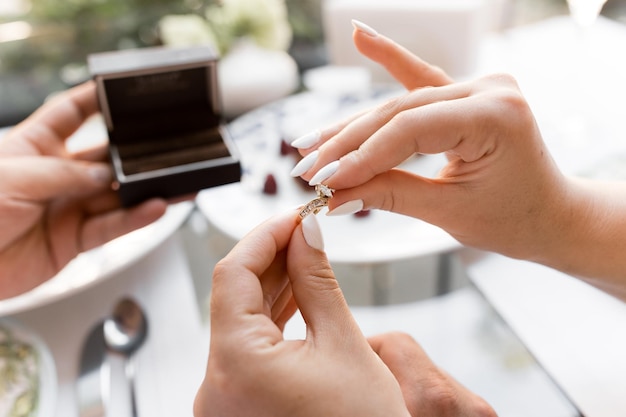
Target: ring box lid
(164,120)
(156,92)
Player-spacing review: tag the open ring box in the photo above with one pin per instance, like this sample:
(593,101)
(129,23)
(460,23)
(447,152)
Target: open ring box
(163,115)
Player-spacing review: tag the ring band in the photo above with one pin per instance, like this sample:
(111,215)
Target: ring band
(324,194)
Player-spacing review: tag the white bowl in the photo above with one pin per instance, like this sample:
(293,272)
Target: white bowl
(45,368)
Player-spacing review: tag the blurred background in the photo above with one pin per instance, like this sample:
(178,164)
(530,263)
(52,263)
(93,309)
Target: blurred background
(44,43)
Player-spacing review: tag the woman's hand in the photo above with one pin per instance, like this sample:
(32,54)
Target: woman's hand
(254,371)
(500,188)
(54,204)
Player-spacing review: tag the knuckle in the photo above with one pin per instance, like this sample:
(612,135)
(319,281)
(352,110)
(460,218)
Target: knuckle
(440,396)
(220,268)
(450,400)
(438,75)
(480,408)
(388,201)
(389,108)
(506,92)
(401,120)
(501,79)
(506,107)
(400,337)
(322,280)
(513,101)
(363,158)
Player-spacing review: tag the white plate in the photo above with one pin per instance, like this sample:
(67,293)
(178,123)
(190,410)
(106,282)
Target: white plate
(237,208)
(46,369)
(100,263)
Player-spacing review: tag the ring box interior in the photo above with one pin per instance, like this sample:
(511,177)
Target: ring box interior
(163,114)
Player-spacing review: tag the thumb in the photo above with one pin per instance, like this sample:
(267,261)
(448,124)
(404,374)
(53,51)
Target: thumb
(44,178)
(315,289)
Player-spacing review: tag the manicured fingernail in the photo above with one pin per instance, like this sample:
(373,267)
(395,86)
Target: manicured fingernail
(312,232)
(305,164)
(358,25)
(349,207)
(324,173)
(308,140)
(101,174)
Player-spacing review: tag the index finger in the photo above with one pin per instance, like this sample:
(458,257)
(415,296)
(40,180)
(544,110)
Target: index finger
(236,288)
(403,65)
(67,111)
(51,124)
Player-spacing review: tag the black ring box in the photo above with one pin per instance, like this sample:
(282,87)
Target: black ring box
(163,115)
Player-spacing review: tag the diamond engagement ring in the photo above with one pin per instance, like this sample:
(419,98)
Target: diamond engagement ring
(324,193)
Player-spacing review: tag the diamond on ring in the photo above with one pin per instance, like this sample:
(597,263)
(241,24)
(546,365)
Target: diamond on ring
(324,193)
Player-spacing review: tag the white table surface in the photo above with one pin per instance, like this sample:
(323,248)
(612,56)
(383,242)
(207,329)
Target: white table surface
(575,331)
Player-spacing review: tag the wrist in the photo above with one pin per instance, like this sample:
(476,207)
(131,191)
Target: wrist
(586,235)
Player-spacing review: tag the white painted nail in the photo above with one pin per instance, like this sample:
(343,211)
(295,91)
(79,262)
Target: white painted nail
(349,207)
(312,232)
(305,164)
(358,25)
(308,140)
(324,173)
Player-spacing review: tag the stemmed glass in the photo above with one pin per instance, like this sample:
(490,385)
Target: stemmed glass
(584,14)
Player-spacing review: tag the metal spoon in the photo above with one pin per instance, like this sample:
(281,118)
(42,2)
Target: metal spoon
(124,333)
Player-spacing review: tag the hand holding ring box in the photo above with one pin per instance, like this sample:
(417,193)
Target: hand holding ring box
(164,120)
